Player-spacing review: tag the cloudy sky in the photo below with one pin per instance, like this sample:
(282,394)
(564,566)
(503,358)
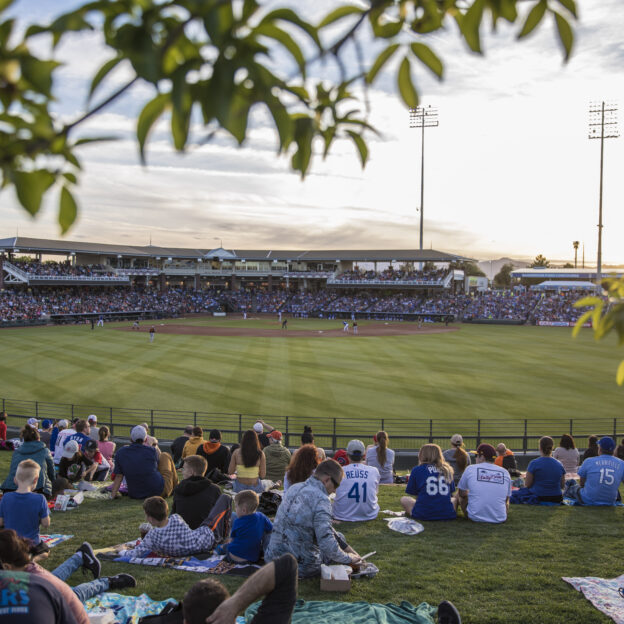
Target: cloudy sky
(509,171)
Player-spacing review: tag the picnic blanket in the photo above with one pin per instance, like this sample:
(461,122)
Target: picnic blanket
(607,595)
(573,502)
(356,612)
(127,609)
(54,539)
(210,565)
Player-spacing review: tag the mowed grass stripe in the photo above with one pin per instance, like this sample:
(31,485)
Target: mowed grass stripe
(502,373)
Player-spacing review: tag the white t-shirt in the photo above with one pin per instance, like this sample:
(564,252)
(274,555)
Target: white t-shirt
(488,487)
(356,498)
(60,443)
(386,472)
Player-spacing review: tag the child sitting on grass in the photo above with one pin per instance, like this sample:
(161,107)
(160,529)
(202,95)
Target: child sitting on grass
(250,530)
(23,510)
(172,537)
(195,496)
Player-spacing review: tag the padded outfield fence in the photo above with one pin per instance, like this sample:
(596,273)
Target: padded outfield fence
(330,433)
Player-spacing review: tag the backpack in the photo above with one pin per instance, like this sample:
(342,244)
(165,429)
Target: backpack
(171,614)
(269,502)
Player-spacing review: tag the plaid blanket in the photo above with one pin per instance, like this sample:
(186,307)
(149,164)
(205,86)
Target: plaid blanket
(54,539)
(607,595)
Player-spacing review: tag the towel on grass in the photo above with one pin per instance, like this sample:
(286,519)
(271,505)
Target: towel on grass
(210,565)
(54,539)
(607,595)
(572,502)
(356,612)
(127,609)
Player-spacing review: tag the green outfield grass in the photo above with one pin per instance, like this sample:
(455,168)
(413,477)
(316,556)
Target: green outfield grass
(500,375)
(494,574)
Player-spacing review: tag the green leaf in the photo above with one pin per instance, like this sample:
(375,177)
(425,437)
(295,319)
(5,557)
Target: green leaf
(619,376)
(570,5)
(249,8)
(360,143)
(340,13)
(304,133)
(429,58)
(533,18)
(101,139)
(70,177)
(288,15)
(5,4)
(30,187)
(38,73)
(102,73)
(148,117)
(68,210)
(581,321)
(470,25)
(565,34)
(272,31)
(406,86)
(380,61)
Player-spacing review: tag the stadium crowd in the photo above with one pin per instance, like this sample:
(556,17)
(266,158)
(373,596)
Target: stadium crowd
(392,275)
(259,478)
(19,304)
(61,269)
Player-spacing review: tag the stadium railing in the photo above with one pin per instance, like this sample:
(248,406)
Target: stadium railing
(407,434)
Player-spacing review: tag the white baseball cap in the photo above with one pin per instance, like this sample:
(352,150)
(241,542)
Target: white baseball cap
(258,428)
(63,423)
(138,433)
(356,447)
(93,418)
(33,422)
(70,449)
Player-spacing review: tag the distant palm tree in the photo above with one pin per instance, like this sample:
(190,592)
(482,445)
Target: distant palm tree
(575,244)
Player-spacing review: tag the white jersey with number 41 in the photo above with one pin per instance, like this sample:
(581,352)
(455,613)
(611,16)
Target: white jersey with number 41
(356,498)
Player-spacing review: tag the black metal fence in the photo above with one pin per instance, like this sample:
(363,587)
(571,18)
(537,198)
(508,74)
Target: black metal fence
(329,432)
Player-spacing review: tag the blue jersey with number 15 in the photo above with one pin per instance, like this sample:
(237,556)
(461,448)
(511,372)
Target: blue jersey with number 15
(433,494)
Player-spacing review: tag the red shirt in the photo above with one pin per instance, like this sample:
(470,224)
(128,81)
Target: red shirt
(3,429)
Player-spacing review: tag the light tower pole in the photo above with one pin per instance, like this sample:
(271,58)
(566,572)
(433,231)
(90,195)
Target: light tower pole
(575,244)
(422,117)
(602,125)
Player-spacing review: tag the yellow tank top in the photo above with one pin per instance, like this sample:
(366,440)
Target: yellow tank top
(242,472)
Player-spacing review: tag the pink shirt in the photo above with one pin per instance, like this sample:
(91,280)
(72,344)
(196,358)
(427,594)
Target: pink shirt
(107,449)
(66,591)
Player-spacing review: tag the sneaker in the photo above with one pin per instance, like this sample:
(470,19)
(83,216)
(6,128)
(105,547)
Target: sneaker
(447,613)
(121,581)
(89,560)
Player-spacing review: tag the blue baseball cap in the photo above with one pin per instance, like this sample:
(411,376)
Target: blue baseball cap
(46,423)
(606,444)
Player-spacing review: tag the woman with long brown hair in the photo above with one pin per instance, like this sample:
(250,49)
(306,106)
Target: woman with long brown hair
(302,465)
(432,484)
(567,453)
(382,458)
(249,463)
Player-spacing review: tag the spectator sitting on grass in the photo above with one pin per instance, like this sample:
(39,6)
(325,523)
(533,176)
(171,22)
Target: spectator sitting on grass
(177,446)
(94,430)
(61,425)
(209,601)
(545,475)
(23,510)
(567,453)
(3,426)
(195,441)
(250,531)
(592,447)
(216,454)
(172,537)
(457,457)
(249,463)
(485,488)
(307,437)
(195,496)
(61,438)
(501,452)
(277,457)
(46,432)
(32,448)
(75,466)
(356,498)
(105,446)
(148,472)
(16,555)
(432,484)
(102,467)
(600,477)
(80,435)
(382,458)
(303,524)
(302,464)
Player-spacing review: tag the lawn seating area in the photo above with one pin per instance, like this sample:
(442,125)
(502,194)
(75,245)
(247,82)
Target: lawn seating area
(493,574)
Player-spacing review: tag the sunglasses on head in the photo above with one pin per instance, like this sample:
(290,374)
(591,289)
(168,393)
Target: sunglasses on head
(336,485)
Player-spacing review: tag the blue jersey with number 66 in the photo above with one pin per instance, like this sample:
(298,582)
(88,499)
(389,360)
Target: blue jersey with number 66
(433,494)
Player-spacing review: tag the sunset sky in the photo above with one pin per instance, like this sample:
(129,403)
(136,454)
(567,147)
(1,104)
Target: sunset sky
(509,171)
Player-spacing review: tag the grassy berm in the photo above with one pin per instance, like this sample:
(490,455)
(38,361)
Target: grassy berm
(494,574)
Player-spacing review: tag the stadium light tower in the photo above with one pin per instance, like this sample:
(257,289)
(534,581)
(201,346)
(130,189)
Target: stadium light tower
(575,244)
(422,117)
(602,125)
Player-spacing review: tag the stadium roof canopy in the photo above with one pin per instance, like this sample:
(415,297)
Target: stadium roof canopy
(565,285)
(566,274)
(20,244)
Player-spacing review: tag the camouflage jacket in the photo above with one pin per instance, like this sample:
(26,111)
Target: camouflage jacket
(303,527)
